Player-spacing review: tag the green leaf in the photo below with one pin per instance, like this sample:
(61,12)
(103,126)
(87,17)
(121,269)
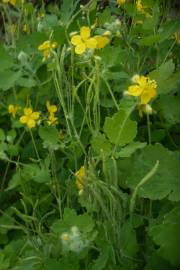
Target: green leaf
(8,79)
(4,262)
(42,175)
(165,182)
(50,264)
(120,129)
(101,261)
(170,108)
(101,145)
(6,59)
(84,222)
(14,182)
(50,137)
(30,43)
(104,16)
(150,40)
(128,150)
(129,246)
(110,56)
(26,82)
(67,10)
(156,262)
(29,172)
(167,236)
(2,135)
(161,76)
(6,220)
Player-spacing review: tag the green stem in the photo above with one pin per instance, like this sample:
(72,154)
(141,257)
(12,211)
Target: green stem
(141,183)
(149,128)
(34,144)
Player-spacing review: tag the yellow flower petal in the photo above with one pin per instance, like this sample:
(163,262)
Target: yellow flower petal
(85,32)
(75,40)
(80,48)
(52,120)
(145,97)
(80,178)
(11,108)
(101,41)
(91,43)
(121,2)
(31,123)
(27,111)
(23,119)
(45,45)
(135,90)
(51,108)
(35,115)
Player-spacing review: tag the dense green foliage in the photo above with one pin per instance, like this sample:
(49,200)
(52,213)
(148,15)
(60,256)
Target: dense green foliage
(90,175)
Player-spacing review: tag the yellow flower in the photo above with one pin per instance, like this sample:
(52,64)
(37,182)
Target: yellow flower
(52,120)
(29,118)
(141,9)
(12,2)
(121,2)
(51,108)
(83,41)
(46,48)
(80,178)
(144,87)
(102,41)
(13,109)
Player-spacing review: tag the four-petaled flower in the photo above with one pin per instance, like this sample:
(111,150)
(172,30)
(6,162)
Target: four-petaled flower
(144,87)
(29,118)
(83,41)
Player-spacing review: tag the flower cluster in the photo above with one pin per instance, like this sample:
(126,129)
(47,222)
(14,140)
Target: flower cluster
(46,48)
(73,240)
(80,178)
(84,41)
(29,118)
(143,87)
(52,109)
